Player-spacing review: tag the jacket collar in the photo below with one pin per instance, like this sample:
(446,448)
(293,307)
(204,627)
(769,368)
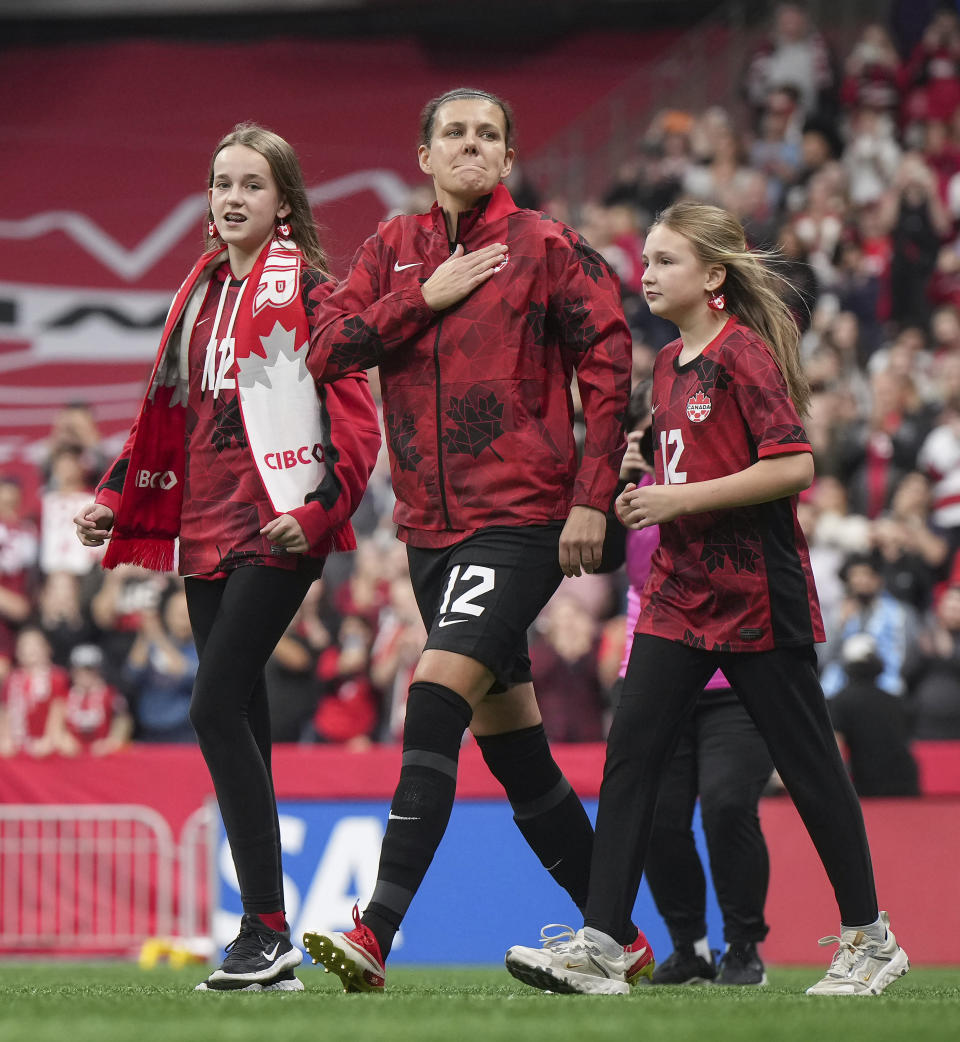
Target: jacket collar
(488,209)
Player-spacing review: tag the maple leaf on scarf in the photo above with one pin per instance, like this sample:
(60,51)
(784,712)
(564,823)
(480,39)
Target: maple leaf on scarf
(229,428)
(570,319)
(280,359)
(360,346)
(400,431)
(536,319)
(476,423)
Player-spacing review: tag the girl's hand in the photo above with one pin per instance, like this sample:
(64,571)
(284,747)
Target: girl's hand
(650,505)
(94,524)
(460,274)
(285,531)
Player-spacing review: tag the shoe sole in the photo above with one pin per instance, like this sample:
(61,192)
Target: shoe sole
(291,984)
(288,961)
(546,980)
(742,983)
(322,950)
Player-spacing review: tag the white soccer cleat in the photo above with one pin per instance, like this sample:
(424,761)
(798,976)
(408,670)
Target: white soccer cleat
(570,963)
(862,966)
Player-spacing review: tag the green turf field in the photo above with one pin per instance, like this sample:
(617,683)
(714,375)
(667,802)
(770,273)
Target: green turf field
(118,1002)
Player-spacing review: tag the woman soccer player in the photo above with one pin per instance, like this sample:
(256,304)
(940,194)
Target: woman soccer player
(258,469)
(478,313)
(730,588)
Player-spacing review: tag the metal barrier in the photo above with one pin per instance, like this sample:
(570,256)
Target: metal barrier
(84,879)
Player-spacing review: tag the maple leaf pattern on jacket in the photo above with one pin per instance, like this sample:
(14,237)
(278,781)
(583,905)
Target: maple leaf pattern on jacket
(363,346)
(594,266)
(401,431)
(476,419)
(571,319)
(310,279)
(229,427)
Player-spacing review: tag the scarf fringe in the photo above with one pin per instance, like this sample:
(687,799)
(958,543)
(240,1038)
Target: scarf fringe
(155,554)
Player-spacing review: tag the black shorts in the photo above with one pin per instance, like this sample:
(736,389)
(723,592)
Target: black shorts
(480,596)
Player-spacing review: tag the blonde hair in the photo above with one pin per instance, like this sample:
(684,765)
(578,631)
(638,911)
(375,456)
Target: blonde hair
(751,288)
(285,168)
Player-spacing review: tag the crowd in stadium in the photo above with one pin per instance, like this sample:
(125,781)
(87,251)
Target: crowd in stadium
(847,167)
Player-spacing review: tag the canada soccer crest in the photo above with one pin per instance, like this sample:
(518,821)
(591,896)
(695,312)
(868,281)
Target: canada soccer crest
(698,407)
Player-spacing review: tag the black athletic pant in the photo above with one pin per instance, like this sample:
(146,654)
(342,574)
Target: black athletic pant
(236,623)
(722,759)
(781,692)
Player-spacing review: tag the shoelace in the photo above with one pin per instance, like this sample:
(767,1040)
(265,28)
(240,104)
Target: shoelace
(562,938)
(250,941)
(846,957)
(563,935)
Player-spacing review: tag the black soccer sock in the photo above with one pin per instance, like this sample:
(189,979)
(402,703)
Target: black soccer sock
(432,732)
(547,811)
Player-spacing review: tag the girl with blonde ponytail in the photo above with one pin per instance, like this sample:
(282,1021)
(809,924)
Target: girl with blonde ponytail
(730,588)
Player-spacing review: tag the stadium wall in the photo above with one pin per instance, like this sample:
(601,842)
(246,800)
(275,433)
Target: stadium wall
(334,805)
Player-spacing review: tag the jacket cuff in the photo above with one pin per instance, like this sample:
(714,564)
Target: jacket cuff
(316,523)
(108,498)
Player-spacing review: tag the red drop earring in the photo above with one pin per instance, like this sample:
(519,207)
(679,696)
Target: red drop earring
(283,229)
(212,230)
(717,301)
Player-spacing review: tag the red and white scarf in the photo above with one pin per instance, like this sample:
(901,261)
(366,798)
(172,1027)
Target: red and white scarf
(278,404)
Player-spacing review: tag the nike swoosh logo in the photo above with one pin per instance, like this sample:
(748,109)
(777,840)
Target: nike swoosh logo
(451,622)
(397,266)
(400,817)
(270,956)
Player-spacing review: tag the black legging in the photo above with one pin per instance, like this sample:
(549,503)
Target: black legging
(236,623)
(722,759)
(782,694)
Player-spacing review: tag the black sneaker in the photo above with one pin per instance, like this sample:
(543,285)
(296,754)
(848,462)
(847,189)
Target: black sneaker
(685,966)
(740,964)
(258,959)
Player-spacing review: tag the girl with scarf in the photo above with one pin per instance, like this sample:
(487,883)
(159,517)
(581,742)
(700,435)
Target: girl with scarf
(257,469)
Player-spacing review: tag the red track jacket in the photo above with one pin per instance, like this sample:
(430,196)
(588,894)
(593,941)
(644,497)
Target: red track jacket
(476,399)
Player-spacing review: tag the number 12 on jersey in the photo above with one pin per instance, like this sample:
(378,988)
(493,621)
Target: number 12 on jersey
(671,474)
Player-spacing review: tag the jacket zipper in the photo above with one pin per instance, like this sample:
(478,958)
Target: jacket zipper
(440,475)
(451,247)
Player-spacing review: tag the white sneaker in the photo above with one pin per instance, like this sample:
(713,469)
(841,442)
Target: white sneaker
(862,966)
(569,963)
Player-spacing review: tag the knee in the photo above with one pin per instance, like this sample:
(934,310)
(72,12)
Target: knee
(728,812)
(206,716)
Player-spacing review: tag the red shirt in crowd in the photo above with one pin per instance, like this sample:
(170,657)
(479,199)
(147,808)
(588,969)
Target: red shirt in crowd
(27,697)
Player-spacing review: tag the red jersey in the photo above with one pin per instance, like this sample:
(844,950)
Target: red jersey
(27,696)
(89,714)
(476,399)
(739,579)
